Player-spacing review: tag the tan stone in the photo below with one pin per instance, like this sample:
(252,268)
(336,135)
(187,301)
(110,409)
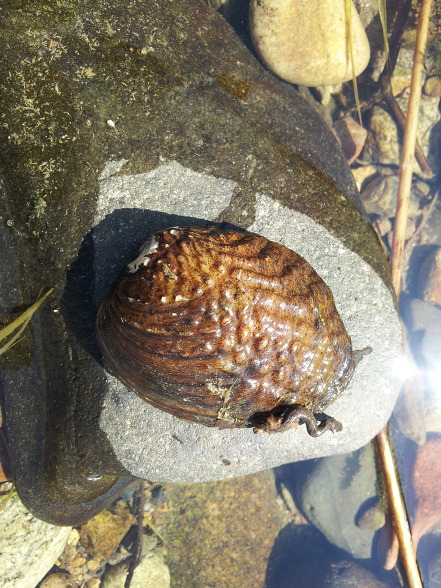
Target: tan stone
(432,86)
(101,535)
(306,42)
(93,583)
(363,173)
(59,580)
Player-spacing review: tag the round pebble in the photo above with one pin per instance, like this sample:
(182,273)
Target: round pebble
(305,41)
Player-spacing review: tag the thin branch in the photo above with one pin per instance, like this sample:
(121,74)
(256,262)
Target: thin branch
(398,511)
(140,503)
(397,506)
(409,140)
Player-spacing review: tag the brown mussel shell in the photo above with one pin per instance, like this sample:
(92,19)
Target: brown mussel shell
(219,327)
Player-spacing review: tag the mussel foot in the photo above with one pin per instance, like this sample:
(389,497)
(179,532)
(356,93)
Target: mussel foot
(284,418)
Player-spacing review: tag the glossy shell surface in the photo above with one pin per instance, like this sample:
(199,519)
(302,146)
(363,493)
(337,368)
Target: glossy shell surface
(219,326)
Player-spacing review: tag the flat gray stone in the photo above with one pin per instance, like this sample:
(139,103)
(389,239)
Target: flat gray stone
(157,446)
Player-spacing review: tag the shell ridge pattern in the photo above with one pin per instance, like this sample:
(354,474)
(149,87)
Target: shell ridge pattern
(217,326)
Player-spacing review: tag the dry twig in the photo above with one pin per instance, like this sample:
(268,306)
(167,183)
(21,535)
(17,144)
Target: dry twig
(397,506)
(409,141)
(139,534)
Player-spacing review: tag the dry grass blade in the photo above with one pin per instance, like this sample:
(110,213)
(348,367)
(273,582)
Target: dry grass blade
(383,17)
(390,475)
(20,323)
(348,4)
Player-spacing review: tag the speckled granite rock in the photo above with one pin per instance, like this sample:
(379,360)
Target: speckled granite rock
(28,547)
(122,118)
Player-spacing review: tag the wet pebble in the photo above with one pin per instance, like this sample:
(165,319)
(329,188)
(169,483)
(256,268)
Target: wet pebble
(430,277)
(333,492)
(364,174)
(101,535)
(373,518)
(28,547)
(351,137)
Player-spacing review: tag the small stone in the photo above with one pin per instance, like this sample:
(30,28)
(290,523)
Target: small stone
(363,173)
(94,564)
(78,561)
(425,480)
(432,86)
(93,583)
(118,556)
(305,41)
(74,537)
(151,572)
(380,197)
(351,137)
(348,573)
(115,576)
(101,535)
(400,80)
(430,277)
(423,188)
(383,144)
(373,518)
(58,581)
(382,226)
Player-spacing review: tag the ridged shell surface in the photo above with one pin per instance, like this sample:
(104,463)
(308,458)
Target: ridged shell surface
(218,326)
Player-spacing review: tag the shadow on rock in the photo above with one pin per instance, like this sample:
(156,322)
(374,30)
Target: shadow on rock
(105,251)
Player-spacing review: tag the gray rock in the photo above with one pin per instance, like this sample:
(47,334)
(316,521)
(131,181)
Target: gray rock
(350,573)
(208,449)
(134,117)
(334,493)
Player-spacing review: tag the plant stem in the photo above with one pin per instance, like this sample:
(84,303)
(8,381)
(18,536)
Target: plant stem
(409,140)
(397,505)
